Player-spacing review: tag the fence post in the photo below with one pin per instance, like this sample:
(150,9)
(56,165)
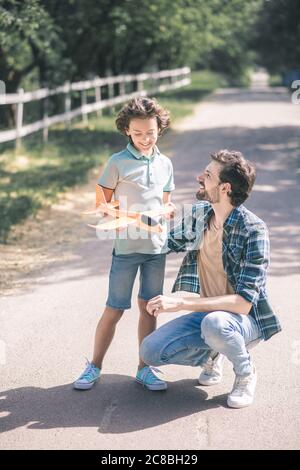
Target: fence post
(45,119)
(111,94)
(98,98)
(140,85)
(83,104)
(19,118)
(68,103)
(139,82)
(122,88)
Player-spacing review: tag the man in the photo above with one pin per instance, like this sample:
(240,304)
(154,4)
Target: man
(226,263)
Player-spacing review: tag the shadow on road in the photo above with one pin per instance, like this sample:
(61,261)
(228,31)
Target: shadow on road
(116,405)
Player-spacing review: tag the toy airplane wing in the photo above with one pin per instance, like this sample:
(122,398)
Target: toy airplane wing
(148,225)
(110,209)
(122,222)
(158,212)
(101,208)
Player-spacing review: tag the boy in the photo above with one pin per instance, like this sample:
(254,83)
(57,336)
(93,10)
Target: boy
(142,177)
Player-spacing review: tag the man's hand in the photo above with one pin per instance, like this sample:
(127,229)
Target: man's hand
(162,303)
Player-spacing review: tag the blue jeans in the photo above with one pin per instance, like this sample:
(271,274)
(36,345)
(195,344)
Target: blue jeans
(187,340)
(122,275)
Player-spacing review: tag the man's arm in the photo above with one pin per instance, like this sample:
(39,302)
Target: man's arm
(182,234)
(230,303)
(251,280)
(253,273)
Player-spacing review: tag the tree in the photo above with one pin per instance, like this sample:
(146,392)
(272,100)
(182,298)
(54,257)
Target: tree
(49,41)
(29,47)
(29,39)
(229,31)
(119,36)
(277,36)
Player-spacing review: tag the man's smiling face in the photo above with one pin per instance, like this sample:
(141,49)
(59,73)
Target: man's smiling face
(209,184)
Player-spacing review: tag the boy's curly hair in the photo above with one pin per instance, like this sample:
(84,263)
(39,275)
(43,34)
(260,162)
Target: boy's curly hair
(143,108)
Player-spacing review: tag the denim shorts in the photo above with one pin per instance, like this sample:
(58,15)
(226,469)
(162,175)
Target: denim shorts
(122,275)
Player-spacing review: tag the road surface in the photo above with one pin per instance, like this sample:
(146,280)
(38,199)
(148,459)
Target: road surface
(48,329)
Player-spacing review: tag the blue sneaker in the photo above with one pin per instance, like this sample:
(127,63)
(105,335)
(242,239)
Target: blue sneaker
(89,376)
(148,379)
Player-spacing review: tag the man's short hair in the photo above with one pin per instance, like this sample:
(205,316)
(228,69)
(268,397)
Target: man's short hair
(237,171)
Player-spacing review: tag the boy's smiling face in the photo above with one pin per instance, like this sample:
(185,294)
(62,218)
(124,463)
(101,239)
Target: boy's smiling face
(144,134)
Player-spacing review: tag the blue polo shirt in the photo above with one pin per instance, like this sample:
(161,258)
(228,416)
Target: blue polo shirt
(139,182)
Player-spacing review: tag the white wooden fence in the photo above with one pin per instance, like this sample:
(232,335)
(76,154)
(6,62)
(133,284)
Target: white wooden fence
(176,78)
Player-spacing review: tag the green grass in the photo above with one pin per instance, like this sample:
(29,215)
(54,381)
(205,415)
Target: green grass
(275,80)
(182,102)
(38,173)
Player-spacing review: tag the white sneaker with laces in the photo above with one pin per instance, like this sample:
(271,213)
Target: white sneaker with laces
(212,371)
(243,390)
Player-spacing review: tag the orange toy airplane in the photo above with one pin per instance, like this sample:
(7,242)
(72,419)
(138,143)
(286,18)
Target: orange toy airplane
(144,220)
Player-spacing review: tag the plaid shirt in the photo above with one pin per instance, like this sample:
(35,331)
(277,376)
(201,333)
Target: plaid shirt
(245,255)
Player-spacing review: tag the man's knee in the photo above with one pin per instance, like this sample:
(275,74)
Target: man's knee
(215,327)
(149,351)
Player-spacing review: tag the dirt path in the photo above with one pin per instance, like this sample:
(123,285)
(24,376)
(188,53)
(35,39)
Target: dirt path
(48,326)
(44,238)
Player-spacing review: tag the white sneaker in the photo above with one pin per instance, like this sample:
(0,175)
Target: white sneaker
(243,390)
(212,371)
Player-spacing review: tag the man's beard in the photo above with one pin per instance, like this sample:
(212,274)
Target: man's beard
(203,195)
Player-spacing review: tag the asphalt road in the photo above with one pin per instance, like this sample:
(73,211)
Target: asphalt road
(47,330)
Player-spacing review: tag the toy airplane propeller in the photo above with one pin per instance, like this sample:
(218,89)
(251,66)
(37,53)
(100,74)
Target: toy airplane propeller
(144,220)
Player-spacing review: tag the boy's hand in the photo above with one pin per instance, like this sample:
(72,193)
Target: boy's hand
(162,303)
(171,215)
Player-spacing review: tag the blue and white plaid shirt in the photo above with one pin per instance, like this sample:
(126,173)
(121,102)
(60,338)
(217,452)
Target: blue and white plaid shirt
(245,254)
